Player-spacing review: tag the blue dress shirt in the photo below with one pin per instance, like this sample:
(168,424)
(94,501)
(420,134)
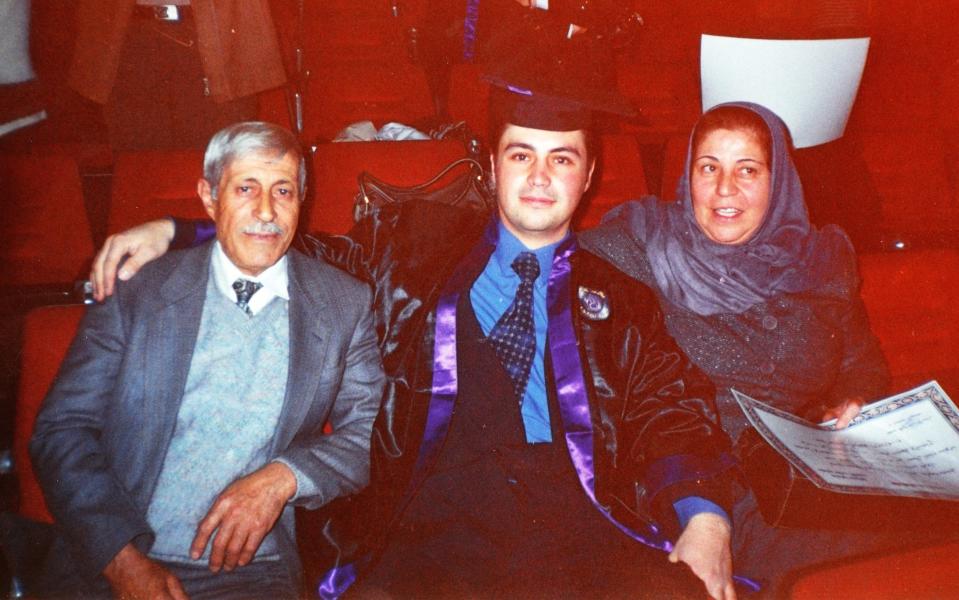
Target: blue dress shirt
(492,294)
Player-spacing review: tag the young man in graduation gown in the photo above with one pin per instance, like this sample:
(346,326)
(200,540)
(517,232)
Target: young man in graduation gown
(540,433)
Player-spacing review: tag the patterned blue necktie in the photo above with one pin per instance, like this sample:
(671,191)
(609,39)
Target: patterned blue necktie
(513,336)
(245,289)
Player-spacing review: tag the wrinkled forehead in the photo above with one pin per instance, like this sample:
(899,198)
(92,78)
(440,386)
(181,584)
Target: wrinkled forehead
(287,163)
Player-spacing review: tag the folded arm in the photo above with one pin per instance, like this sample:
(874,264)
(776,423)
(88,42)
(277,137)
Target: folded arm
(863,374)
(337,464)
(684,453)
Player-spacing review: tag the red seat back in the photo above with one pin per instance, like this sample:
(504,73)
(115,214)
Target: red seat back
(674,161)
(337,165)
(340,94)
(910,297)
(47,333)
(469,98)
(619,177)
(909,170)
(49,239)
(152,184)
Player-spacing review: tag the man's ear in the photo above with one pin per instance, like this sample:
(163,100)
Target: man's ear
(492,169)
(589,178)
(205,192)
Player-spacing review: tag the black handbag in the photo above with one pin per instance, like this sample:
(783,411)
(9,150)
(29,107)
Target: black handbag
(468,189)
(788,499)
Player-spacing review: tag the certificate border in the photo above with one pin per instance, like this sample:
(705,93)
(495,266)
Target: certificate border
(930,391)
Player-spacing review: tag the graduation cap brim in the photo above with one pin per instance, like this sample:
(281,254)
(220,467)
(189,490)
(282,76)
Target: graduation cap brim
(525,107)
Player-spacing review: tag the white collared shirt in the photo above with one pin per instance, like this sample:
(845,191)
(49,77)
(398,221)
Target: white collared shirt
(275,280)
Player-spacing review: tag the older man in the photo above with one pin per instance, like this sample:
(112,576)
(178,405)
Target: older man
(187,419)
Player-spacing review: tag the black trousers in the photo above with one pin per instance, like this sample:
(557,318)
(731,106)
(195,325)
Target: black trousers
(501,518)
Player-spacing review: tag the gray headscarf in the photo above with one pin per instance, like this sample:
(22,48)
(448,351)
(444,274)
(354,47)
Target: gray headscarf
(786,254)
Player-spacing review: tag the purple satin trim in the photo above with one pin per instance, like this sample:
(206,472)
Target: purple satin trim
(571,389)
(683,467)
(336,581)
(445,384)
(519,90)
(469,29)
(205,231)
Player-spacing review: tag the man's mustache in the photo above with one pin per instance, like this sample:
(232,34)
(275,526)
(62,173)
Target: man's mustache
(264,228)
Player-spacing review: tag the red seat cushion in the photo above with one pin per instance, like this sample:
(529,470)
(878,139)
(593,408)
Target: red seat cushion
(925,573)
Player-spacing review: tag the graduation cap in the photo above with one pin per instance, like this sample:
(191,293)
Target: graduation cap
(544,81)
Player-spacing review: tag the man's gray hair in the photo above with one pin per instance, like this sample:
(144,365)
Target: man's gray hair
(250,137)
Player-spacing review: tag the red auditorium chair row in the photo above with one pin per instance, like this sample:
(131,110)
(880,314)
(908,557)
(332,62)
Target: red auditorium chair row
(336,95)
(341,94)
(907,297)
(53,242)
(150,185)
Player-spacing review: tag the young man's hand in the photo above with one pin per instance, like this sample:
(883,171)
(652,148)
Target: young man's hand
(141,244)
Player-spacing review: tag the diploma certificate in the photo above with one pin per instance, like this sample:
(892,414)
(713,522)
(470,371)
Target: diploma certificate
(904,445)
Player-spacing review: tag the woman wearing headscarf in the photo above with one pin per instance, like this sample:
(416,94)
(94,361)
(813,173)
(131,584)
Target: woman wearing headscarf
(759,299)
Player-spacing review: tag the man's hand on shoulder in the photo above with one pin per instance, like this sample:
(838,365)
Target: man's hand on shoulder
(133,576)
(704,546)
(141,244)
(242,515)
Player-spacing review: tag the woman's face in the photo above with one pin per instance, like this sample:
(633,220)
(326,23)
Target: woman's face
(729,184)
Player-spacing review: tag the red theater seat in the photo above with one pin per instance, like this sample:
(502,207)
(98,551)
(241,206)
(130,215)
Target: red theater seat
(351,39)
(674,161)
(910,297)
(47,333)
(928,573)
(666,95)
(341,94)
(49,239)
(909,170)
(152,184)
(337,165)
(619,177)
(880,104)
(469,98)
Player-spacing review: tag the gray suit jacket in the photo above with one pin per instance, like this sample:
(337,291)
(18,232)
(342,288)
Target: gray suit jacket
(102,433)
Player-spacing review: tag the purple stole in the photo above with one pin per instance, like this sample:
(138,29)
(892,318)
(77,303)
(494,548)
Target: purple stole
(568,377)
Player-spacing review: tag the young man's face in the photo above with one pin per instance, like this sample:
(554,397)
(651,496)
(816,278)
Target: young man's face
(256,210)
(540,177)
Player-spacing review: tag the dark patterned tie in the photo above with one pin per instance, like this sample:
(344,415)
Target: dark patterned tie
(245,289)
(513,336)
